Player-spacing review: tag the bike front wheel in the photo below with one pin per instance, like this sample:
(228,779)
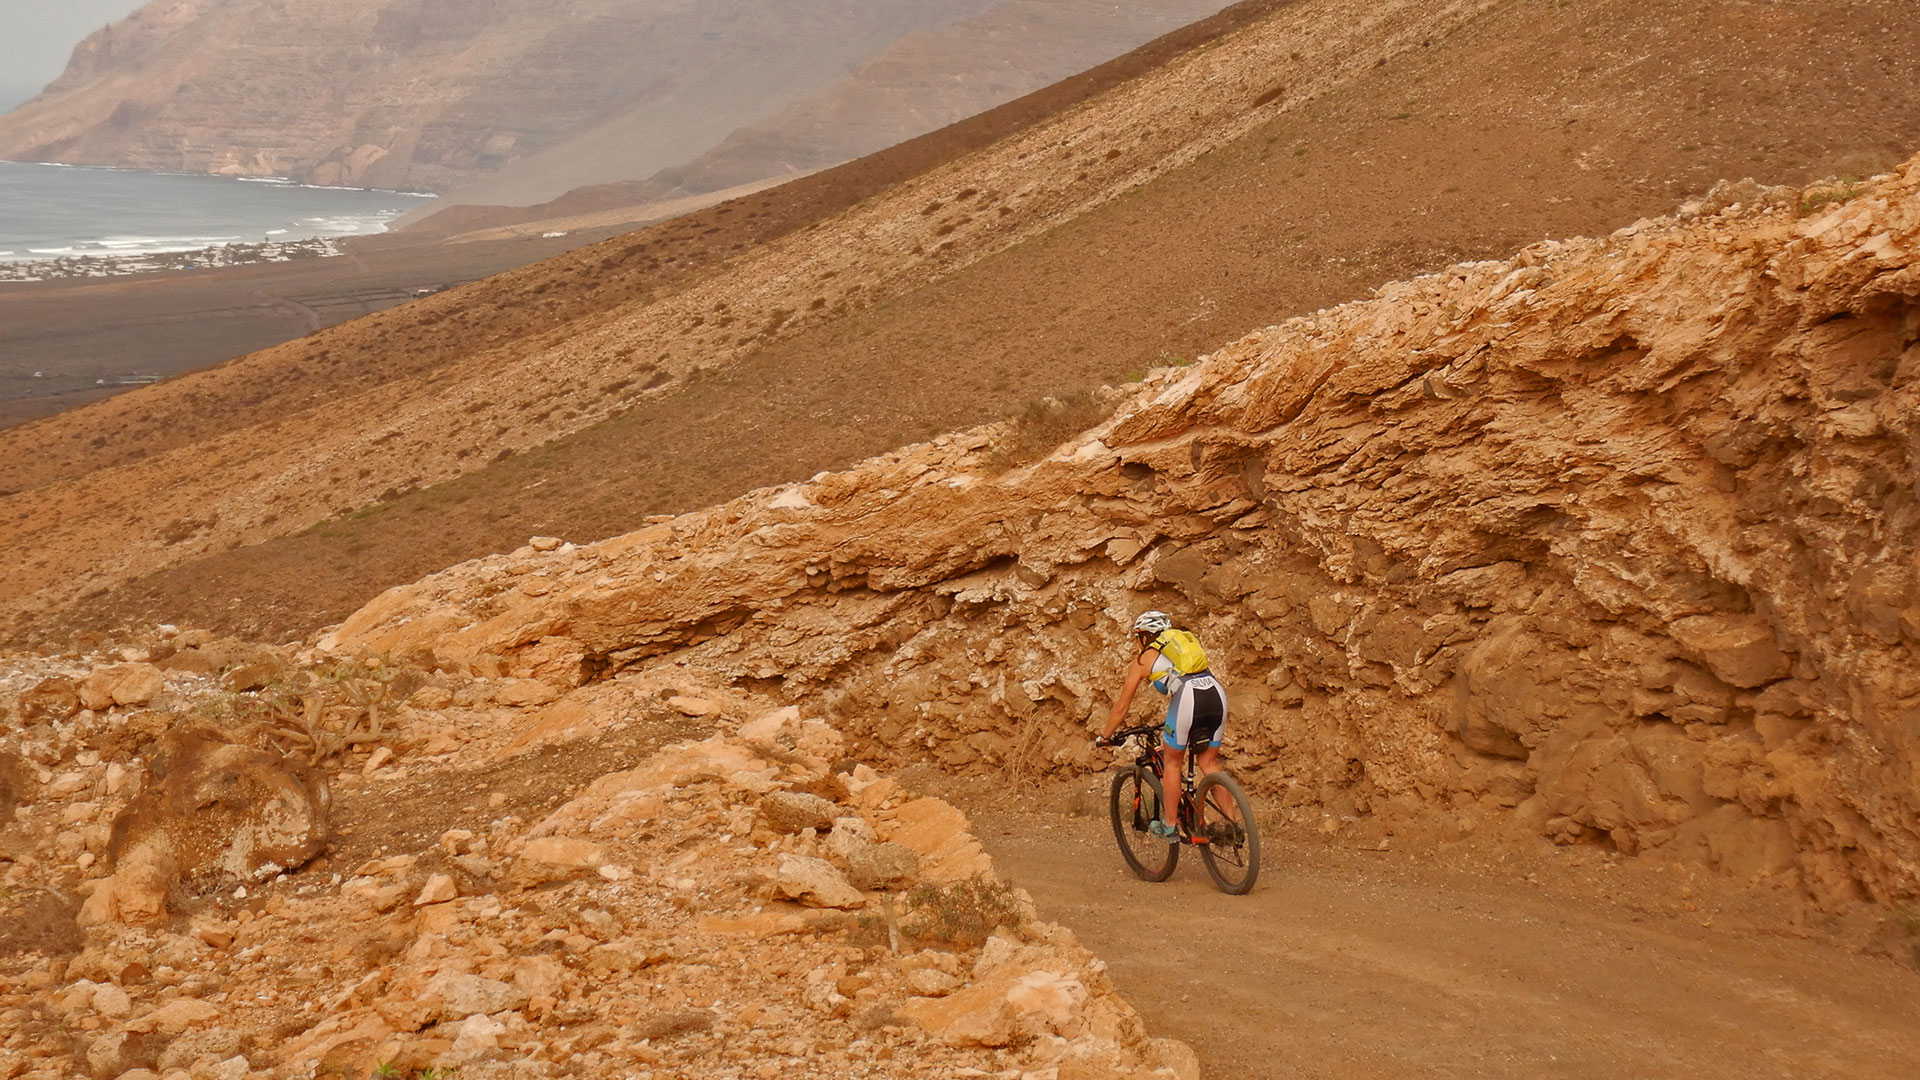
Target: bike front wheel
(1231,847)
(1134,803)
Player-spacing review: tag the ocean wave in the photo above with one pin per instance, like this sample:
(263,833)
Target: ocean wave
(349,224)
(118,244)
(366,190)
(123,213)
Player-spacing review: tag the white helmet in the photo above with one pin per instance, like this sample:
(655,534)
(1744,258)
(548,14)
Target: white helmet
(1152,622)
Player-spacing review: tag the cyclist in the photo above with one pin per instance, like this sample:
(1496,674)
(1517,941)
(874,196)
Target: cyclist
(1196,707)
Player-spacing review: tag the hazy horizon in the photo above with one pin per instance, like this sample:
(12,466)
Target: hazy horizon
(37,38)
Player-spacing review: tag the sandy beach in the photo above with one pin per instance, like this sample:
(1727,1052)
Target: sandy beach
(91,337)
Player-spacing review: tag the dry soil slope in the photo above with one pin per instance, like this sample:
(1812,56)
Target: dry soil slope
(1614,543)
(1340,153)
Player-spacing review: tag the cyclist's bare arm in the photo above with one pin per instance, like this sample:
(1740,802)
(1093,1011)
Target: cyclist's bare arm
(1137,673)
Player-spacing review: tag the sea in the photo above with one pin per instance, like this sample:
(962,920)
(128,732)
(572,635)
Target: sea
(63,211)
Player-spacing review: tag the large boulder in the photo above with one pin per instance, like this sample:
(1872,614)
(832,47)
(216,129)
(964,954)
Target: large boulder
(51,699)
(816,883)
(792,811)
(1740,649)
(210,808)
(121,684)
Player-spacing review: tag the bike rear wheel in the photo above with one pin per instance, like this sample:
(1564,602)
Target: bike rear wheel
(1232,847)
(1134,803)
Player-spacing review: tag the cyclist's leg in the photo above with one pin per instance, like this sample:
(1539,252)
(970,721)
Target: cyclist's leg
(1209,728)
(1208,762)
(1173,756)
(1172,760)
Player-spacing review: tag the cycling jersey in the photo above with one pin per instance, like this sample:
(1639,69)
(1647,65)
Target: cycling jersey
(1196,702)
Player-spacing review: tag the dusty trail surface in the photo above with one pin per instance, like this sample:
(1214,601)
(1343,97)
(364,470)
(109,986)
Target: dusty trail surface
(1359,963)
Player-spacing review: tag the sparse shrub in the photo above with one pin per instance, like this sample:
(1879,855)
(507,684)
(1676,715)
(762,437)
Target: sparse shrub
(961,915)
(322,711)
(1047,422)
(1826,194)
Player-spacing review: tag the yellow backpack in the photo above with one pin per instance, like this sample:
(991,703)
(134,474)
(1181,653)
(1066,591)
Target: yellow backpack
(1182,650)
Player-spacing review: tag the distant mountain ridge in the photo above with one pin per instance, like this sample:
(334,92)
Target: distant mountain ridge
(525,99)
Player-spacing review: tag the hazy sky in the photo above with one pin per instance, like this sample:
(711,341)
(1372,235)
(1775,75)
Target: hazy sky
(37,36)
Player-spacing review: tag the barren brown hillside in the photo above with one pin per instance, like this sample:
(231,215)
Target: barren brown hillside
(1292,164)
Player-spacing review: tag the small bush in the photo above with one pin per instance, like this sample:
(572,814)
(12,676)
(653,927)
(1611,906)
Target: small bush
(323,711)
(960,916)
(1826,194)
(1045,423)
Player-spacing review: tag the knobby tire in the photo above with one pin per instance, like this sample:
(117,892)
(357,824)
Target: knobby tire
(1134,801)
(1234,866)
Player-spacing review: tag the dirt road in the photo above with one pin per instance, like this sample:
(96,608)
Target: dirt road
(1351,963)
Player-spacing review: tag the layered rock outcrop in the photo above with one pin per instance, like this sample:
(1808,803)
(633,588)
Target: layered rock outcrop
(1614,540)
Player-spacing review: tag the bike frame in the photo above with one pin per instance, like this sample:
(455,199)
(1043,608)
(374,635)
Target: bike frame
(1187,812)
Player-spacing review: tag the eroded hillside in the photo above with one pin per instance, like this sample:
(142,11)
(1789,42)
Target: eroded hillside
(1613,541)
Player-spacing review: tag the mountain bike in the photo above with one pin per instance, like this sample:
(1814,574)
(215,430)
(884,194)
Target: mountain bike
(1229,842)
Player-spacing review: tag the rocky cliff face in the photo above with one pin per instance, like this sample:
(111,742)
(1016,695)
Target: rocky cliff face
(1612,542)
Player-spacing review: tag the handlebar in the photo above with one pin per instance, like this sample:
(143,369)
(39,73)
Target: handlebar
(1124,734)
